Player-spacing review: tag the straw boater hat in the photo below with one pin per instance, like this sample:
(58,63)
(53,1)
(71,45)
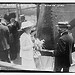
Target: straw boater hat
(63,25)
(27,24)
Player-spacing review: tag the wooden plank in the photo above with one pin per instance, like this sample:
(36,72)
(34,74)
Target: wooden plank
(21,8)
(13,66)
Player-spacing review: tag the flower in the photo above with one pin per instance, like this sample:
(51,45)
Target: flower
(39,43)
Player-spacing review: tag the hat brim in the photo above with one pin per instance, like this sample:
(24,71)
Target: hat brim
(27,26)
(63,26)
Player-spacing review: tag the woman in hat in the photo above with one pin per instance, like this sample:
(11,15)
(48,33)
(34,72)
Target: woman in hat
(26,46)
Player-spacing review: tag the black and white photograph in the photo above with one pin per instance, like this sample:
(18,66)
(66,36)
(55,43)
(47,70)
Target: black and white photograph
(37,37)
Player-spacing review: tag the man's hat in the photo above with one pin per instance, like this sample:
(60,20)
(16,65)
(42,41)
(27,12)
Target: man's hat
(63,25)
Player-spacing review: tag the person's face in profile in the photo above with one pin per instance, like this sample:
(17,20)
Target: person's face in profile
(28,30)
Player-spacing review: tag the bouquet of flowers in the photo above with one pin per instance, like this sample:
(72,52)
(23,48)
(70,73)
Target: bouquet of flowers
(39,43)
(38,47)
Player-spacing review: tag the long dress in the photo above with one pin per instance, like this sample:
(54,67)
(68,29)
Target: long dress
(26,51)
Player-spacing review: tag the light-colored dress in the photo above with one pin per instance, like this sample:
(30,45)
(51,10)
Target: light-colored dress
(26,51)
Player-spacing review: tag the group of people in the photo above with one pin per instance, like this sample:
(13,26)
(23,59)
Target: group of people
(15,40)
(63,49)
(8,37)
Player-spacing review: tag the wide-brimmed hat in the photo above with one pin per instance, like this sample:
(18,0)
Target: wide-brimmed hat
(63,25)
(27,24)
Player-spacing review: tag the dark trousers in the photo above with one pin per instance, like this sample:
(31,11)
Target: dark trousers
(58,68)
(14,49)
(4,56)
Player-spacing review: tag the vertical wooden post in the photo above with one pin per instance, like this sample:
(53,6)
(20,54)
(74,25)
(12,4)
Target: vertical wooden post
(17,12)
(38,11)
(20,12)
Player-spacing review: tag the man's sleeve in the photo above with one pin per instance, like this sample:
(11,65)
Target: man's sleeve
(20,32)
(61,47)
(18,25)
(73,47)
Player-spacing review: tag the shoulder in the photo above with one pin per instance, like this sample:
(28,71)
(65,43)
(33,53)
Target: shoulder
(16,22)
(23,35)
(67,37)
(5,28)
(63,38)
(64,35)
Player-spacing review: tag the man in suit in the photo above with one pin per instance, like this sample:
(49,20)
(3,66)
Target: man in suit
(65,46)
(4,43)
(15,44)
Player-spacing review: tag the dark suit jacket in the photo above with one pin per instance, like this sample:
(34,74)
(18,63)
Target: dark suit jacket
(4,37)
(65,46)
(15,33)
